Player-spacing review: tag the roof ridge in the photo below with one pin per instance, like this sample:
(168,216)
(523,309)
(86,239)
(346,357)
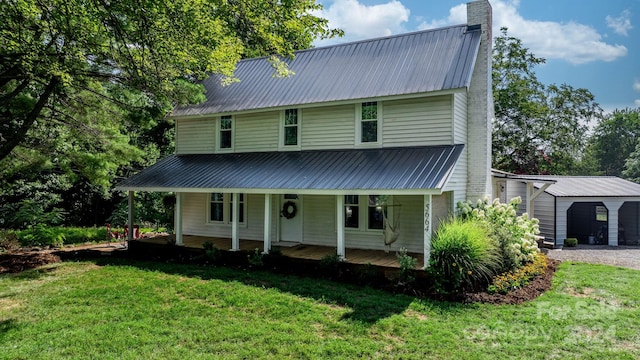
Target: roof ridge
(363,41)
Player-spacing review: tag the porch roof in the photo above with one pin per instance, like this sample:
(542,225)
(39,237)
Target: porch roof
(415,170)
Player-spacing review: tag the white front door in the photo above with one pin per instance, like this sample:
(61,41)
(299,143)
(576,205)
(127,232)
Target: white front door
(291,217)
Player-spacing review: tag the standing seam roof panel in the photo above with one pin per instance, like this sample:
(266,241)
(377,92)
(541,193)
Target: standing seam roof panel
(413,63)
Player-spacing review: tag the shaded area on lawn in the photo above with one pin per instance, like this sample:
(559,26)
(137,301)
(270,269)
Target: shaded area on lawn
(321,286)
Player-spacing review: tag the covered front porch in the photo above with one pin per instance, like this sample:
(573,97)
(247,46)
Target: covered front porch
(337,202)
(291,249)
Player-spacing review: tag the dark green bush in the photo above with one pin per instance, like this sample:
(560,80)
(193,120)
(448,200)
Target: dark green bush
(571,242)
(463,256)
(211,251)
(256,258)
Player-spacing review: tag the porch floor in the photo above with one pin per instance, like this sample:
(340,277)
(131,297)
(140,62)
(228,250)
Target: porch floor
(295,250)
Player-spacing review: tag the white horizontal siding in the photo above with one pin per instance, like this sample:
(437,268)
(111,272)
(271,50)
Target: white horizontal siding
(544,211)
(458,181)
(413,122)
(257,132)
(195,136)
(319,226)
(195,218)
(331,127)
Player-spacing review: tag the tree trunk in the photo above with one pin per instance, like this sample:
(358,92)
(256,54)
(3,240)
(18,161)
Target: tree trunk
(16,137)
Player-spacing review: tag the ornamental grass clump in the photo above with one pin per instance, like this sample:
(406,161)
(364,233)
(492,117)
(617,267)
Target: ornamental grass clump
(516,235)
(463,256)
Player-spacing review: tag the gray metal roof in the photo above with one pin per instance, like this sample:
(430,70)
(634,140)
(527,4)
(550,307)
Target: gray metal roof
(419,62)
(413,168)
(590,186)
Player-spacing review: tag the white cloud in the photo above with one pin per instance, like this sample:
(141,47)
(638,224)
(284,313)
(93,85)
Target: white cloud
(572,42)
(457,15)
(637,102)
(363,22)
(636,85)
(621,24)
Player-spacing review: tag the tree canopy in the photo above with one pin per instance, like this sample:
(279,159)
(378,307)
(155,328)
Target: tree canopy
(614,144)
(538,128)
(85,84)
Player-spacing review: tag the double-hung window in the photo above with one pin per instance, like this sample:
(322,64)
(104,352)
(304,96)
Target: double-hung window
(221,208)
(291,128)
(369,126)
(365,210)
(225,132)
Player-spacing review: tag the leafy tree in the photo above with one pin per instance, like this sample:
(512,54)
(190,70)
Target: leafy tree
(85,85)
(632,166)
(614,140)
(538,128)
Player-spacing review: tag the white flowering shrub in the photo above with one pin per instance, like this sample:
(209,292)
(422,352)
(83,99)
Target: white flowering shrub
(516,235)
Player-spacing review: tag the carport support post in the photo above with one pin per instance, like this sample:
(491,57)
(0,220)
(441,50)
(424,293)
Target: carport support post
(340,250)
(131,216)
(267,223)
(427,229)
(178,224)
(613,206)
(235,240)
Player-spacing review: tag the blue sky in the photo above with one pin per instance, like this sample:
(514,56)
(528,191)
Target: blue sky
(592,44)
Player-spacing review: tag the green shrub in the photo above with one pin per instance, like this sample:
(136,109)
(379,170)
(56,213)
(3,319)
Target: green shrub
(8,240)
(571,242)
(256,258)
(407,266)
(516,235)
(463,256)
(330,265)
(518,278)
(42,235)
(211,251)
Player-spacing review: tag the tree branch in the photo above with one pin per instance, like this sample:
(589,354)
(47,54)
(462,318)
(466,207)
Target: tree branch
(30,118)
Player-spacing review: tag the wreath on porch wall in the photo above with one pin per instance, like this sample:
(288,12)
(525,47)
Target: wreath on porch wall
(289,209)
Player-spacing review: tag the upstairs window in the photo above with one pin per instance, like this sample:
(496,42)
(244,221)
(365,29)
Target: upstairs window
(291,128)
(369,122)
(226,132)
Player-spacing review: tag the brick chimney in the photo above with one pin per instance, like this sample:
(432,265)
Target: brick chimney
(480,106)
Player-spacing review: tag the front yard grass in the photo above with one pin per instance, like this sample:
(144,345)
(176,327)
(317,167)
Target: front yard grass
(125,309)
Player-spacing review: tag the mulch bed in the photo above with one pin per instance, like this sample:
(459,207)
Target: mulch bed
(21,260)
(536,287)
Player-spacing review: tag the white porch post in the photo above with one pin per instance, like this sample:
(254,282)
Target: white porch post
(340,250)
(427,229)
(235,240)
(613,206)
(178,224)
(267,223)
(130,219)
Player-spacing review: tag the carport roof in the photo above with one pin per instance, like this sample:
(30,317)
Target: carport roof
(588,186)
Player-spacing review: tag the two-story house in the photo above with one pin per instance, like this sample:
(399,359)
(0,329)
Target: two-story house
(369,145)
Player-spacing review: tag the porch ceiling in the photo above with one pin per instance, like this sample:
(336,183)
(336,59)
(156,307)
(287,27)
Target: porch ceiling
(391,170)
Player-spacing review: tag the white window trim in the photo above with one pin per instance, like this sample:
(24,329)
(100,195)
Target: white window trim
(363,215)
(358,125)
(281,145)
(233,135)
(226,211)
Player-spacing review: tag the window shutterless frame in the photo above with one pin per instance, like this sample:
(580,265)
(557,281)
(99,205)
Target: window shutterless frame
(369,123)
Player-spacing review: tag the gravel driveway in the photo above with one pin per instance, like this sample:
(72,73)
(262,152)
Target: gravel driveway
(623,256)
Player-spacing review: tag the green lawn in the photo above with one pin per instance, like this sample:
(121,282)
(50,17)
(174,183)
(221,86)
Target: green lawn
(117,308)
